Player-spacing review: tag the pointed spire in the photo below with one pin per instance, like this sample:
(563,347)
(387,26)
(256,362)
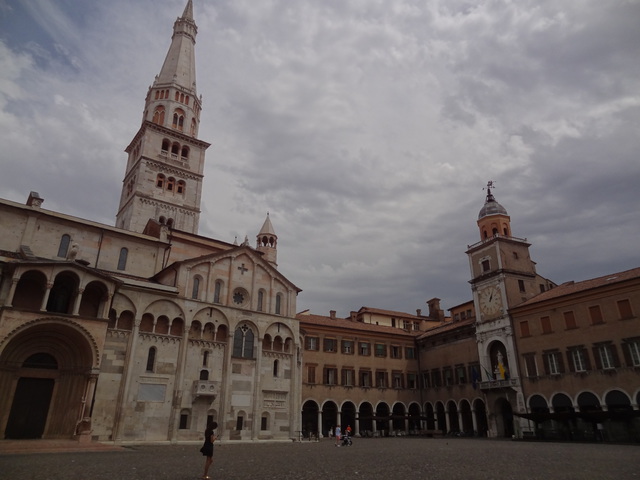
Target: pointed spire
(267,227)
(179,68)
(188,11)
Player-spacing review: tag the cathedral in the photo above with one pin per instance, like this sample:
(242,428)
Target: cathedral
(146,331)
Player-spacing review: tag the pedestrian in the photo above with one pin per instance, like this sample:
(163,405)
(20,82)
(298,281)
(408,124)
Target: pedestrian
(207,447)
(331,432)
(337,434)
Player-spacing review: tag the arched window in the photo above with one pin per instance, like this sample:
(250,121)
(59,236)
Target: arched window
(275,368)
(261,301)
(186,99)
(122,261)
(196,288)
(158,115)
(177,96)
(63,249)
(217,291)
(160,180)
(170,223)
(204,374)
(157,94)
(193,127)
(205,358)
(180,187)
(243,342)
(151,359)
(278,304)
(178,119)
(175,149)
(185,152)
(162,220)
(171,183)
(182,97)
(166,145)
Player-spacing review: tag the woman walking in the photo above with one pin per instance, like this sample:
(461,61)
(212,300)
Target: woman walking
(207,447)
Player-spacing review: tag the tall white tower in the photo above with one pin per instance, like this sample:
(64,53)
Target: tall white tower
(163,179)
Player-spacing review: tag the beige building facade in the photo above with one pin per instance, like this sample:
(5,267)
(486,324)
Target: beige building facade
(146,331)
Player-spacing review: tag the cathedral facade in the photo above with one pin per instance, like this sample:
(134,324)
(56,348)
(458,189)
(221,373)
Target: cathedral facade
(146,331)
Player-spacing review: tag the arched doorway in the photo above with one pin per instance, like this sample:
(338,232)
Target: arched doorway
(382,418)
(329,417)
(504,418)
(309,418)
(365,417)
(45,373)
(480,411)
(348,415)
(467,419)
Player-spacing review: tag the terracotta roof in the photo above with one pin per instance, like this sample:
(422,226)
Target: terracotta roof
(569,288)
(447,327)
(346,323)
(391,313)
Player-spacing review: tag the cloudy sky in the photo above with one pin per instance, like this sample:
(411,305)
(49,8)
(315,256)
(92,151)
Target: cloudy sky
(367,128)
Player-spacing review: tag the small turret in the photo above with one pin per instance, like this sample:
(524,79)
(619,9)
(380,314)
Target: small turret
(267,242)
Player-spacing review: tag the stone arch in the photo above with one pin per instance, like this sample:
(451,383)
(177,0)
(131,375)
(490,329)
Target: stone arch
(60,386)
(30,290)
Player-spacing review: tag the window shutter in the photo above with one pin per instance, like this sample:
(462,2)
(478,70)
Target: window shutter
(587,361)
(545,358)
(596,356)
(560,362)
(572,367)
(626,347)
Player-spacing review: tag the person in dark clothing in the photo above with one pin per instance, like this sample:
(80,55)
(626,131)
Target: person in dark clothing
(207,447)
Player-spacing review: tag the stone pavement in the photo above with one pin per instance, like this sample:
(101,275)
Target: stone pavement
(372,459)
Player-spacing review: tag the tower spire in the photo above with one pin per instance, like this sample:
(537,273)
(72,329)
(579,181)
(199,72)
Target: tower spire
(163,180)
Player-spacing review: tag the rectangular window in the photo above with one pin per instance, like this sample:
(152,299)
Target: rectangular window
(412,381)
(330,344)
(311,343)
(381,350)
(396,351)
(578,360)
(397,380)
(606,357)
(263,423)
(521,285)
(596,315)
(239,423)
(633,349)
(545,324)
(365,378)
(486,265)
(406,324)
(447,373)
(416,326)
(624,309)
(365,349)
(381,379)
(348,376)
(524,329)
(311,374)
(330,376)
(570,320)
(347,347)
(461,374)
(530,364)
(553,363)
(410,353)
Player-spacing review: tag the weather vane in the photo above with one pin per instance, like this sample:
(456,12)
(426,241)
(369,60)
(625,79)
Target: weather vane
(490,184)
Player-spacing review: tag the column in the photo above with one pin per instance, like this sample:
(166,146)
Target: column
(257,391)
(76,303)
(319,432)
(129,363)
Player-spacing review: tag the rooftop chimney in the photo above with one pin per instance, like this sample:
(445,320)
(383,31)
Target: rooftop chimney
(332,314)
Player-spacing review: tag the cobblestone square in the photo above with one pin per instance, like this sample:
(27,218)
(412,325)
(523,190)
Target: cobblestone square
(374,459)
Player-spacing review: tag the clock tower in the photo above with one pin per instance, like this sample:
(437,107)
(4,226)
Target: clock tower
(502,275)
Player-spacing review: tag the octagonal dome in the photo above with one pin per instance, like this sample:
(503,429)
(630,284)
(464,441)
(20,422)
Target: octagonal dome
(491,207)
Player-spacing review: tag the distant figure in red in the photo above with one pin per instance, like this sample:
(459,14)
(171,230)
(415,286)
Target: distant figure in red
(207,447)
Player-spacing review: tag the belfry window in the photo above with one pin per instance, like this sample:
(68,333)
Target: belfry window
(158,115)
(160,181)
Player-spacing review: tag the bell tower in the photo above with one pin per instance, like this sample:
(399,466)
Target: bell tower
(267,242)
(165,164)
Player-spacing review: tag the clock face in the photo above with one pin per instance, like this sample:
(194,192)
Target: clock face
(490,300)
